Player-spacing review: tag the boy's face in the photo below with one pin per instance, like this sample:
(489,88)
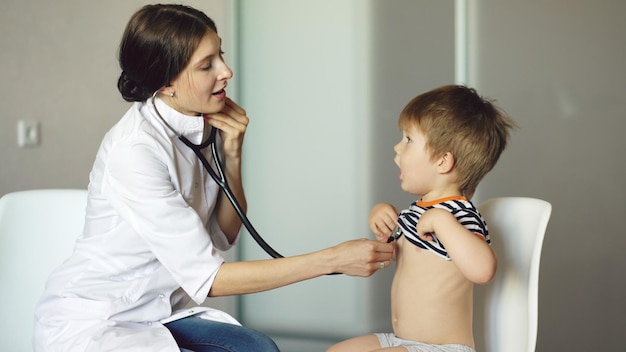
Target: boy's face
(418,173)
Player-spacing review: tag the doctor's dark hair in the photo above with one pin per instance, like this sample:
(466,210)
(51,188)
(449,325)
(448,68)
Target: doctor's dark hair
(456,119)
(156,46)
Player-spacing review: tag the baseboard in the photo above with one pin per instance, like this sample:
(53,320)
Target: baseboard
(300,344)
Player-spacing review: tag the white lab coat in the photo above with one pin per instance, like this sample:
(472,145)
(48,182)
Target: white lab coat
(148,245)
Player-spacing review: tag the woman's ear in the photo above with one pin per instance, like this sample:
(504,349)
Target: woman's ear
(168,91)
(445,164)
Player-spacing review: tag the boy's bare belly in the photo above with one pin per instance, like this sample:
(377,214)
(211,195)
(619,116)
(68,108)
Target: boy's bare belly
(431,301)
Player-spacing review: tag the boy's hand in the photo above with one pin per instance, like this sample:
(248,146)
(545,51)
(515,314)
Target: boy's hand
(382,220)
(426,224)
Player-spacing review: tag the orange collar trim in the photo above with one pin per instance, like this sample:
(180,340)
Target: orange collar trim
(441,200)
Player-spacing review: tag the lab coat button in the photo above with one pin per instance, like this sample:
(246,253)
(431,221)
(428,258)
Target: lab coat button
(161,296)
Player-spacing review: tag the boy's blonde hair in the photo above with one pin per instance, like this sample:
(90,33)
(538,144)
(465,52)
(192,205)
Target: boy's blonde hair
(456,119)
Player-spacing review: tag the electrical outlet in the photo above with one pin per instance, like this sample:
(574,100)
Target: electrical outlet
(27,133)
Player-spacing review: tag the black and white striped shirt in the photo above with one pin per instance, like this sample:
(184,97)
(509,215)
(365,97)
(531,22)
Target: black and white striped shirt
(464,211)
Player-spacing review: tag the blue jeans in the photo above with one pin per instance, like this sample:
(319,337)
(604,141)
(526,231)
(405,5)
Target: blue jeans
(201,335)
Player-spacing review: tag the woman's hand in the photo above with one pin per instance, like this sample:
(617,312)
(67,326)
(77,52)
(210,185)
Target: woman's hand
(382,220)
(232,123)
(362,257)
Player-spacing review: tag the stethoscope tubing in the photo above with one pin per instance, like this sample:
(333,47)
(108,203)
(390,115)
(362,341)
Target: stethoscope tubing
(221,181)
(219,178)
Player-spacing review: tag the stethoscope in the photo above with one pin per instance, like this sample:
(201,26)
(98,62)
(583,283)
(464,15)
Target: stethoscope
(218,177)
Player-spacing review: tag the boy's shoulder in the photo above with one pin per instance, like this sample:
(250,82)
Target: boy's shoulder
(454,204)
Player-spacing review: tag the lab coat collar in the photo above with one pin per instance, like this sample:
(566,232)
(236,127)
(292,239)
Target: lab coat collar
(191,127)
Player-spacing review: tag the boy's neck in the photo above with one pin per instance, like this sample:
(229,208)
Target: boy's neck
(444,192)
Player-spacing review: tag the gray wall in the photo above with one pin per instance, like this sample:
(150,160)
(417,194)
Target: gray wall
(555,66)
(59,67)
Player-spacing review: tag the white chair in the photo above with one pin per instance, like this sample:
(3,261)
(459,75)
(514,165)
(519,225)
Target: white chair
(506,309)
(37,232)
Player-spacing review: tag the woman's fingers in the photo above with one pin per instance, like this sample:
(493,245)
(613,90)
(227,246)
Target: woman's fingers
(364,257)
(231,104)
(231,115)
(232,122)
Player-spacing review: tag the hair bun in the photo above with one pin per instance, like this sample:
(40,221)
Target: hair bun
(130,90)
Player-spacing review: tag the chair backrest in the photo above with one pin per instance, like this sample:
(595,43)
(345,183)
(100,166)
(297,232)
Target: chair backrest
(38,229)
(506,309)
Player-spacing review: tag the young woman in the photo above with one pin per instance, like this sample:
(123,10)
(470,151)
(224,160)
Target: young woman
(155,218)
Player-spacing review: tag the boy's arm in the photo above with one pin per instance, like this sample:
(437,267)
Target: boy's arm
(382,220)
(470,252)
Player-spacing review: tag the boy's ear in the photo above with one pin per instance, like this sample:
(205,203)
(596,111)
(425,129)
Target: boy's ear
(445,163)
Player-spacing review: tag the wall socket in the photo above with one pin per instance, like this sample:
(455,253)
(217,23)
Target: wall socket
(27,133)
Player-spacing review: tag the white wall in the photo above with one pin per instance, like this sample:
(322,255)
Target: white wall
(324,83)
(302,72)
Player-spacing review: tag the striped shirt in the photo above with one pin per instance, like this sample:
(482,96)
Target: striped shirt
(462,209)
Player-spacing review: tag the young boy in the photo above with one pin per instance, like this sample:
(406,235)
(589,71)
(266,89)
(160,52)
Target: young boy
(451,137)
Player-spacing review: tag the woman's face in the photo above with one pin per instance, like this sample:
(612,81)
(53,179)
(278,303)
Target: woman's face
(200,87)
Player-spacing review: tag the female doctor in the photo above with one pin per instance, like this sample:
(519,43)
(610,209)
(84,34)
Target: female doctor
(155,219)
